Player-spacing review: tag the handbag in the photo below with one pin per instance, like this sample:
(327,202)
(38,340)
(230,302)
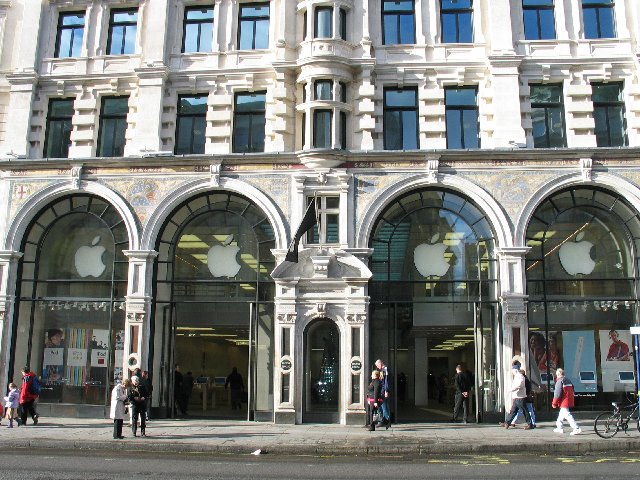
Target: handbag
(376,416)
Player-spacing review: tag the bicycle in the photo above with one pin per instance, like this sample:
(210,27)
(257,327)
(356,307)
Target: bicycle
(608,424)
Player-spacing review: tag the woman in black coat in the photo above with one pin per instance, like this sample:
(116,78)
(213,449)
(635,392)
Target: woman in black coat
(137,401)
(374,398)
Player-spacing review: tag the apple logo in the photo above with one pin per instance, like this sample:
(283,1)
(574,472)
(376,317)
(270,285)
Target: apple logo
(429,258)
(575,256)
(221,259)
(88,259)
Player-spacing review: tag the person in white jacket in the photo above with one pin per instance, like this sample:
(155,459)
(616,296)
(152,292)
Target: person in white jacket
(11,402)
(519,394)
(118,409)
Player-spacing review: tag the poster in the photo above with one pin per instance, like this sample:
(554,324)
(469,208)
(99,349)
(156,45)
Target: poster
(76,357)
(99,340)
(539,359)
(52,366)
(616,361)
(99,358)
(579,351)
(53,356)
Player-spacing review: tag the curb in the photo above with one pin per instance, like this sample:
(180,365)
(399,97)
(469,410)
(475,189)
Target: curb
(364,448)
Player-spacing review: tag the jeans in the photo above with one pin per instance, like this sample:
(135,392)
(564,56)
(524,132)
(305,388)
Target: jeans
(518,405)
(385,409)
(532,413)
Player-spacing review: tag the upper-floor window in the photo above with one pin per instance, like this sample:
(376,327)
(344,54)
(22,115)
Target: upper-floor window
(456,16)
(70,32)
(539,19)
(113,126)
(328,214)
(123,25)
(323,90)
(547,116)
(253,31)
(598,18)
(609,114)
(462,117)
(343,23)
(191,124)
(58,133)
(323,22)
(322,121)
(398,22)
(249,121)
(197,35)
(400,118)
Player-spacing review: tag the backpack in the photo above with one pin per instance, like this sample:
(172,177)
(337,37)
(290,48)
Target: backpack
(34,386)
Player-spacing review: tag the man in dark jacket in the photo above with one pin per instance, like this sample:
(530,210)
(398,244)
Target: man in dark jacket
(563,399)
(27,398)
(234,380)
(463,393)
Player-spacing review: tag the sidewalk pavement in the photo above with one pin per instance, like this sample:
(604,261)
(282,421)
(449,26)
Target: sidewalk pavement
(234,437)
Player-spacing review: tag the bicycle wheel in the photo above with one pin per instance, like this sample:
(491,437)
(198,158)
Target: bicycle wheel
(606,424)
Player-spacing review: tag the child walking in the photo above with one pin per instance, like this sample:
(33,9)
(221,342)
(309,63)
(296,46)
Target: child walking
(11,405)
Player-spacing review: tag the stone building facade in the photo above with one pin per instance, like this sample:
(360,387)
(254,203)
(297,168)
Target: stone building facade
(158,156)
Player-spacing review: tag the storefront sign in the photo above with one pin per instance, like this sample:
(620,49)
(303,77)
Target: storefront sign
(356,365)
(285,364)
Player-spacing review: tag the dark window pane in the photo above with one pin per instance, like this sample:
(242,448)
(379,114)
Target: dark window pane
(454,129)
(129,41)
(470,128)
(323,90)
(199,127)
(390,25)
(115,46)
(255,11)
(607,28)
(332,229)
(58,130)
(66,37)
(400,98)
(392,130)
(343,24)
(322,129)
(257,133)
(465,29)
(61,108)
(547,25)
(407,35)
(73,19)
(76,46)
(409,131)
(539,128)
(249,122)
(455,4)
(193,105)
(206,37)
(556,128)
(606,93)
(546,93)
(250,102)
(241,128)
(191,125)
(323,22)
(461,96)
(616,127)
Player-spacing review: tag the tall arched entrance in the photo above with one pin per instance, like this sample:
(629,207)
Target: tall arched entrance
(434,303)
(582,282)
(213,309)
(70,315)
(321,393)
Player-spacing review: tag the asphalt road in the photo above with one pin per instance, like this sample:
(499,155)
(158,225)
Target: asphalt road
(84,465)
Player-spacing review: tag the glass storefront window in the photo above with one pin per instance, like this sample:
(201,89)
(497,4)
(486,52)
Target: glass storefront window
(582,282)
(71,309)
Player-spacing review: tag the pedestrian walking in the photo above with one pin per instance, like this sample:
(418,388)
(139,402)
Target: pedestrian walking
(235,382)
(146,382)
(29,393)
(119,409)
(178,392)
(137,402)
(528,401)
(563,398)
(374,399)
(463,393)
(386,392)
(518,394)
(11,402)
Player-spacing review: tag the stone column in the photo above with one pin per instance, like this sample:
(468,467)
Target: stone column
(22,88)
(8,276)
(148,117)
(137,323)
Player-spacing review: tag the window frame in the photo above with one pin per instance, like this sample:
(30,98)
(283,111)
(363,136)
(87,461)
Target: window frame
(607,105)
(461,108)
(599,6)
(386,109)
(316,16)
(251,114)
(101,130)
(342,18)
(58,118)
(180,117)
(253,20)
(61,28)
(397,14)
(457,13)
(199,22)
(539,9)
(546,106)
(126,25)
(329,134)
(322,212)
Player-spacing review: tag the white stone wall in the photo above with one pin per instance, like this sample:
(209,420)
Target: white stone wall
(499,62)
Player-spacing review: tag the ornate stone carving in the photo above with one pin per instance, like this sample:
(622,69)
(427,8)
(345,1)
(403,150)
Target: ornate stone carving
(76,176)
(287,318)
(356,318)
(214,170)
(433,165)
(515,319)
(135,317)
(586,167)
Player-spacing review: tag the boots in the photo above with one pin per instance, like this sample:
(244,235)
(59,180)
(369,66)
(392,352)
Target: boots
(372,427)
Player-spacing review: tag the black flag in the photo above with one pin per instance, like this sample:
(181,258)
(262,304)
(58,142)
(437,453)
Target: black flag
(308,221)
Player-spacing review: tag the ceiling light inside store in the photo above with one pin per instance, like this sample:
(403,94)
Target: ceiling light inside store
(191,242)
